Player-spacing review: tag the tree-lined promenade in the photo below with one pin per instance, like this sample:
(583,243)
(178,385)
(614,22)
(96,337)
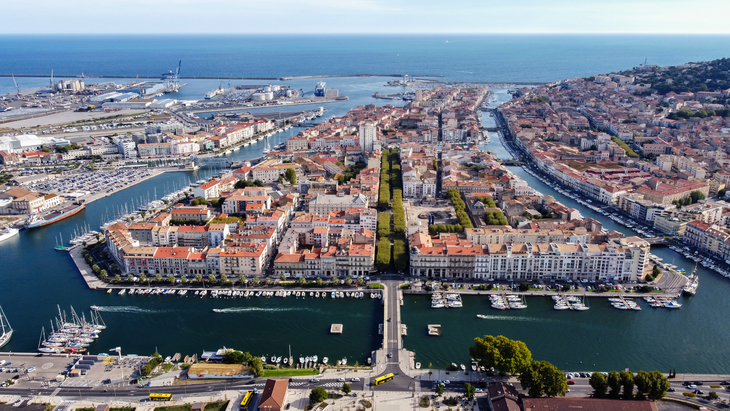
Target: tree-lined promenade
(391,199)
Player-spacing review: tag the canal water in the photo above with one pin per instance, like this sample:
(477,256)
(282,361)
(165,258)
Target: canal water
(688,339)
(35,278)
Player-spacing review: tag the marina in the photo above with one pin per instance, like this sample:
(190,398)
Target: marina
(182,324)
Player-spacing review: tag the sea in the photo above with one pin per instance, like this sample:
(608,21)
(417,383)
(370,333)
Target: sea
(36,280)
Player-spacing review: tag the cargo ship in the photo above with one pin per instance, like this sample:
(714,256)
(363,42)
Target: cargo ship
(37,221)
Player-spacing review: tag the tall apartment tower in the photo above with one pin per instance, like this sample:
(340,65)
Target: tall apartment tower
(367,136)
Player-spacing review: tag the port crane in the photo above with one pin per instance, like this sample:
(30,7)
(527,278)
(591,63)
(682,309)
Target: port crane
(16,86)
(172,79)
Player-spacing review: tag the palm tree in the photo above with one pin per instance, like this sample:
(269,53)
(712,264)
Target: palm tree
(198,278)
(256,281)
(241,279)
(319,282)
(171,278)
(118,278)
(302,281)
(142,277)
(267,281)
(224,278)
(211,278)
(158,277)
(348,281)
(102,274)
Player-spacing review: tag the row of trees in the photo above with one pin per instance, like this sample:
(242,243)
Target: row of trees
(459,207)
(384,191)
(652,385)
(249,183)
(400,250)
(629,151)
(542,378)
(382,258)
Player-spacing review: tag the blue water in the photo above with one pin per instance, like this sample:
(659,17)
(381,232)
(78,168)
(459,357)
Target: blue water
(516,58)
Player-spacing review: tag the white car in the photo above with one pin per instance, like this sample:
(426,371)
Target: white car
(340,380)
(355,379)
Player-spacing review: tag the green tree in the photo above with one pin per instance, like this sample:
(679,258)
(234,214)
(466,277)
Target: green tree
(319,282)
(501,353)
(199,201)
(348,281)
(614,383)
(696,196)
(317,395)
(211,278)
(627,382)
(291,176)
(469,391)
(713,396)
(117,278)
(198,277)
(102,274)
(95,268)
(302,281)
(642,384)
(599,383)
(256,366)
(255,281)
(658,385)
(236,357)
(346,388)
(143,277)
(158,277)
(541,377)
(439,389)
(171,279)
(224,278)
(241,279)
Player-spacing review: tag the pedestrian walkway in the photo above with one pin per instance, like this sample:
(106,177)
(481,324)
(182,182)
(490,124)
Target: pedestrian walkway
(92,281)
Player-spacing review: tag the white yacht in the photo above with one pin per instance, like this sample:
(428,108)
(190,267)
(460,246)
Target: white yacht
(7,329)
(8,233)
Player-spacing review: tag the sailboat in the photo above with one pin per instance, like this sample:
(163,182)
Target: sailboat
(60,247)
(7,329)
(267,149)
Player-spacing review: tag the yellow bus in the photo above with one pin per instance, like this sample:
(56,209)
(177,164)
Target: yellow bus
(384,378)
(246,398)
(160,397)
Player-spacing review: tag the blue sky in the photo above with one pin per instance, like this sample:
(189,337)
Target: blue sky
(365,16)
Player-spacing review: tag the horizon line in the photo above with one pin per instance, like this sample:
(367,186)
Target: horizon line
(367,34)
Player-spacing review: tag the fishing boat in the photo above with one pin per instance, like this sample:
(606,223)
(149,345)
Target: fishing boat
(7,329)
(418,365)
(325,360)
(482,316)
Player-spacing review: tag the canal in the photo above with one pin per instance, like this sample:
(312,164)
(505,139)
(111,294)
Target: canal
(689,339)
(36,278)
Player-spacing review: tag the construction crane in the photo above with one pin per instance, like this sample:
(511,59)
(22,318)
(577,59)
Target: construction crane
(16,86)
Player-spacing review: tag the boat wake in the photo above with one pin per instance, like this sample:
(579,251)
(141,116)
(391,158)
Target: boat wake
(254,309)
(127,309)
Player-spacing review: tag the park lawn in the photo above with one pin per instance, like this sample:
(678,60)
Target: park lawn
(216,406)
(289,372)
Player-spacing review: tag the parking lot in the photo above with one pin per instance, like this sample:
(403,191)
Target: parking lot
(32,370)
